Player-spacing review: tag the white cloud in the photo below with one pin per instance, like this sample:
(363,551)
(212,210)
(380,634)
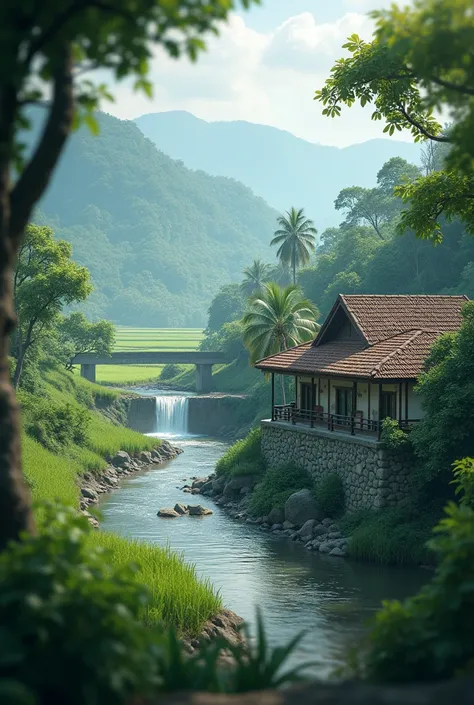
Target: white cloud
(267,78)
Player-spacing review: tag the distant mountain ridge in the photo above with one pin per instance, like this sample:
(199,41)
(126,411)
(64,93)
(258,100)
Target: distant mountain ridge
(281,168)
(158,238)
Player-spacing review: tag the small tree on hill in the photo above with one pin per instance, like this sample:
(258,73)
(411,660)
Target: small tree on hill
(80,336)
(45,279)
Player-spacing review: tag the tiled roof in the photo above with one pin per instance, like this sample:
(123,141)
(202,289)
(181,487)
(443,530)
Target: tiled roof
(382,316)
(399,357)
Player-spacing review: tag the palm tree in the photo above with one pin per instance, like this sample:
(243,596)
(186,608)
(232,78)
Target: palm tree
(296,238)
(277,319)
(255,276)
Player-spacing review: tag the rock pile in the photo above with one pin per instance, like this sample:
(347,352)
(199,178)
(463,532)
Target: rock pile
(300,520)
(179,510)
(120,465)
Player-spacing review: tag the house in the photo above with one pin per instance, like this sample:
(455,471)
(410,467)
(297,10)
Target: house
(364,363)
(361,368)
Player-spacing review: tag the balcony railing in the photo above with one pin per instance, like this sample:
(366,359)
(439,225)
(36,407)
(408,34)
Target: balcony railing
(353,424)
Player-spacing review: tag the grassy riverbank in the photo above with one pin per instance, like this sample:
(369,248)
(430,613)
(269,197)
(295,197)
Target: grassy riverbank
(179,598)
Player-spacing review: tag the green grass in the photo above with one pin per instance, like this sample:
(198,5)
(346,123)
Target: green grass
(146,339)
(178,597)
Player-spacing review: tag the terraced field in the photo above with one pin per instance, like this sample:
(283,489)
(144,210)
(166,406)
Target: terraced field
(157,339)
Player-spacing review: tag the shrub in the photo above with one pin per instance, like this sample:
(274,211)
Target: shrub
(245,451)
(54,425)
(329,495)
(393,437)
(171,370)
(429,636)
(276,486)
(70,628)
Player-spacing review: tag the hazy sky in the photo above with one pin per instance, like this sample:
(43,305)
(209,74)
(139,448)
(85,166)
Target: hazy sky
(264,68)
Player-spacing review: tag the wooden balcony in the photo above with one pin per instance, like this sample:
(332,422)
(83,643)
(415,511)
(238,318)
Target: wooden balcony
(354,424)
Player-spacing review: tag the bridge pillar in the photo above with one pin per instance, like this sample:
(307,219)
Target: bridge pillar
(203,379)
(88,372)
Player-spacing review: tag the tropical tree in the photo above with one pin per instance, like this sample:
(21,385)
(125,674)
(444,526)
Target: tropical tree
(45,279)
(46,50)
(254,277)
(296,239)
(277,319)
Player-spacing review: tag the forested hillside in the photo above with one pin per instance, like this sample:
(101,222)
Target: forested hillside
(285,170)
(158,239)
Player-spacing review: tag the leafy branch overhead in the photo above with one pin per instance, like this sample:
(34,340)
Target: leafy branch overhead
(405,76)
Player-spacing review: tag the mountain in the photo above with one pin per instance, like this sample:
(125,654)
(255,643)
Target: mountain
(285,170)
(158,238)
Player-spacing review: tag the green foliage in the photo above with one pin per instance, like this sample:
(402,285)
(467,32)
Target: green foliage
(329,494)
(295,238)
(429,636)
(446,431)
(45,280)
(277,319)
(365,206)
(171,370)
(246,451)
(389,536)
(254,277)
(63,604)
(227,305)
(78,335)
(55,426)
(393,437)
(275,488)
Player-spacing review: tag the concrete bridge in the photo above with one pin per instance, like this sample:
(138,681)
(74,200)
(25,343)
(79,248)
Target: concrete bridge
(202,360)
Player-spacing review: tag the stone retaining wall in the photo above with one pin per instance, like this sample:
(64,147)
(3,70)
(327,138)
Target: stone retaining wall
(372,477)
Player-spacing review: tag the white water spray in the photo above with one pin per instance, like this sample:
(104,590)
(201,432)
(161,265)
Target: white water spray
(171,415)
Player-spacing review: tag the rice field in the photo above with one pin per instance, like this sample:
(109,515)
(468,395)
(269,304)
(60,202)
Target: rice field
(129,339)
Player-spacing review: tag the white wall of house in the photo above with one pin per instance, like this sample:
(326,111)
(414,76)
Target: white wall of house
(414,403)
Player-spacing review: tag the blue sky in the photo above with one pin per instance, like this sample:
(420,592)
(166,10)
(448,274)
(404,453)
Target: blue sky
(264,68)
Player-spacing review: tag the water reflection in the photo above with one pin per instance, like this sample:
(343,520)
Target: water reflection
(296,589)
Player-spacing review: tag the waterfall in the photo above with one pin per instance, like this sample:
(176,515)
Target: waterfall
(171,415)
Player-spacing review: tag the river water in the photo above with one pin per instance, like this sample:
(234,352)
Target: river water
(331,598)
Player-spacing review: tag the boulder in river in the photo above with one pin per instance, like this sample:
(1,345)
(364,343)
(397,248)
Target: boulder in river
(181,508)
(276,516)
(197,510)
(145,457)
(168,513)
(197,484)
(301,506)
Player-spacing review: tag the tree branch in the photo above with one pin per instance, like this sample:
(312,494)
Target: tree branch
(37,173)
(453,86)
(420,127)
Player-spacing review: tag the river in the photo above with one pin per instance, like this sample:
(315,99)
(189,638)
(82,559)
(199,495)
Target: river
(331,598)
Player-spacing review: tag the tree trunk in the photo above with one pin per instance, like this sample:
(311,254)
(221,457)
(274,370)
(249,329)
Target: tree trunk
(19,367)
(294,267)
(16,515)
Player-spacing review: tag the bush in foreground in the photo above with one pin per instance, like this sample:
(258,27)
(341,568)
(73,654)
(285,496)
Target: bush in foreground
(71,631)
(429,636)
(275,488)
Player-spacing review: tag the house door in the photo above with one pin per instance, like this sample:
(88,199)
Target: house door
(344,401)
(306,402)
(388,405)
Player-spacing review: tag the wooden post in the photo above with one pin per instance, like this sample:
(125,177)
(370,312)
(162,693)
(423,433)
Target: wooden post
(369,410)
(319,391)
(296,392)
(400,403)
(273,396)
(354,406)
(313,397)
(406,402)
(380,407)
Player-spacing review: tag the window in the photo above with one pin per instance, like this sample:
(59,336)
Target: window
(306,401)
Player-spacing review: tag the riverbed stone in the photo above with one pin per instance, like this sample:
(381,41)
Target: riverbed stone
(276,516)
(197,510)
(89,493)
(198,483)
(181,508)
(121,459)
(168,513)
(276,527)
(325,547)
(145,457)
(288,525)
(320,530)
(306,530)
(301,506)
(336,551)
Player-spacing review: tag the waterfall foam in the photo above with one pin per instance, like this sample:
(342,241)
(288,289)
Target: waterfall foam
(171,415)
